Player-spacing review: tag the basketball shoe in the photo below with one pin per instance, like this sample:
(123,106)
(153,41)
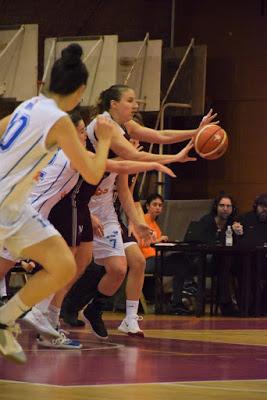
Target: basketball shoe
(130,326)
(62,342)
(9,346)
(93,314)
(40,323)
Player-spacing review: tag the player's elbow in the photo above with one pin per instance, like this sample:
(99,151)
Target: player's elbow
(93,178)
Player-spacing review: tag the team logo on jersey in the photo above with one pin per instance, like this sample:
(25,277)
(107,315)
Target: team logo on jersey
(39,176)
(99,191)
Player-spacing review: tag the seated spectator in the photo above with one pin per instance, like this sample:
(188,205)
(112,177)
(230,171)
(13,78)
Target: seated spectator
(172,267)
(211,229)
(252,230)
(252,226)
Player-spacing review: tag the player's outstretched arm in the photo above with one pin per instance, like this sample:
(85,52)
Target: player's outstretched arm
(167,136)
(124,149)
(133,167)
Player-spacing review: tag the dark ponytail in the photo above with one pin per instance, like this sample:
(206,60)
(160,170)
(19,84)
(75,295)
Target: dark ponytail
(114,92)
(68,72)
(76,117)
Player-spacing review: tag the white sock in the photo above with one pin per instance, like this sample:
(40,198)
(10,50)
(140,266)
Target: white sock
(44,304)
(12,310)
(131,307)
(3,287)
(53,315)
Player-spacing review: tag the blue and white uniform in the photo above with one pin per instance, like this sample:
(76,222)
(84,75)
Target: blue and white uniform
(102,205)
(56,180)
(23,153)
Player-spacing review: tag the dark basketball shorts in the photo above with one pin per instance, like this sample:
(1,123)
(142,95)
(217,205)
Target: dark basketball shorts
(74,224)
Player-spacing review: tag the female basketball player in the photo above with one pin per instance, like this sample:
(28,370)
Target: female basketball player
(118,103)
(54,182)
(28,138)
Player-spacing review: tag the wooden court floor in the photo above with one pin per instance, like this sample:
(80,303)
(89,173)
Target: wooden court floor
(179,358)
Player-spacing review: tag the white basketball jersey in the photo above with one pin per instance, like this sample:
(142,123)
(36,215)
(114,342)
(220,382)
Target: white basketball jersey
(55,181)
(23,153)
(91,128)
(101,204)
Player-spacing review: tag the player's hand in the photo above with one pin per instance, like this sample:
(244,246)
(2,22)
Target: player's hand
(104,128)
(208,119)
(136,144)
(98,228)
(144,233)
(183,156)
(164,170)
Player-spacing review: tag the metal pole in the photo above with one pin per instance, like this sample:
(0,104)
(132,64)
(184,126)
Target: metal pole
(142,76)
(52,49)
(191,44)
(136,58)
(96,70)
(92,50)
(12,41)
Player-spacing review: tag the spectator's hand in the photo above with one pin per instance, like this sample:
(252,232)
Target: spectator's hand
(98,228)
(154,237)
(238,228)
(164,238)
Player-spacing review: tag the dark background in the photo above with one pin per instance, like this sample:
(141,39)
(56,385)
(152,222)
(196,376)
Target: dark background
(235,32)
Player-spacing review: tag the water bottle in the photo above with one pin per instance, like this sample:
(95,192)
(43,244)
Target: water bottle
(229,236)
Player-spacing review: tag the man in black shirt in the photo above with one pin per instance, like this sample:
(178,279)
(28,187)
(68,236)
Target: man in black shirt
(252,226)
(211,229)
(252,231)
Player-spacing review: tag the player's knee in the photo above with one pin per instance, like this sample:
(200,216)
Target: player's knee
(119,274)
(71,269)
(66,268)
(139,265)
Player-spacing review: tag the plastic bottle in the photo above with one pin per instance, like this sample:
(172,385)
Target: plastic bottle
(229,236)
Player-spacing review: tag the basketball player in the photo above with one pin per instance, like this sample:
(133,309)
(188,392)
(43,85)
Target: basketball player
(119,103)
(29,136)
(55,181)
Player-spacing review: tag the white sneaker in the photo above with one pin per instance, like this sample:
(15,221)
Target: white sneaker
(9,346)
(40,323)
(130,326)
(61,342)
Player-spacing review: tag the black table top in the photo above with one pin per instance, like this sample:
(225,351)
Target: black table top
(207,248)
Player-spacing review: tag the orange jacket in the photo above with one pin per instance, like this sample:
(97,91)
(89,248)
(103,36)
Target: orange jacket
(150,251)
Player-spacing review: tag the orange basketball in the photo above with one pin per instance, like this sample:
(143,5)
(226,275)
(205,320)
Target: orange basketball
(211,142)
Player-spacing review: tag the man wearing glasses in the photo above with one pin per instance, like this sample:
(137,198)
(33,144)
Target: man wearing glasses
(210,229)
